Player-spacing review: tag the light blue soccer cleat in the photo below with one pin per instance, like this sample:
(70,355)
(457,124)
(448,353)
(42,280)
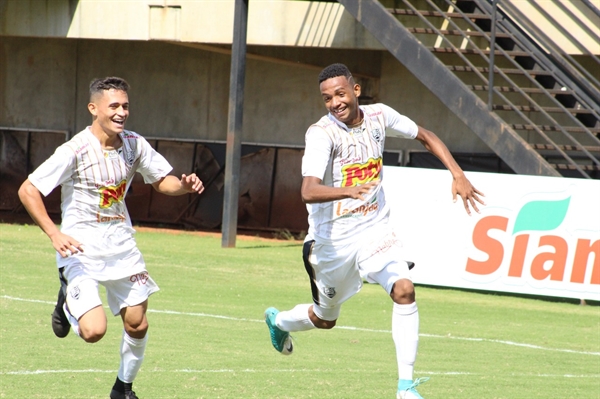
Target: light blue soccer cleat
(407,389)
(281,340)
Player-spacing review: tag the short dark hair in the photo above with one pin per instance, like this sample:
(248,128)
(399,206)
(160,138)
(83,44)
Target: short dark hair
(333,71)
(97,86)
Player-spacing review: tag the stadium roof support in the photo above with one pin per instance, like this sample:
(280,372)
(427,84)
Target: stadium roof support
(234,125)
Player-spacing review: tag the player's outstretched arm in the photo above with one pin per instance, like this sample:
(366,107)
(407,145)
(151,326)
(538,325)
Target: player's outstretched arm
(31,198)
(313,191)
(171,185)
(460,184)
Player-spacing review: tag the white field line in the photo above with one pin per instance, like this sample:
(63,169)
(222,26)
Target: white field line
(496,341)
(232,371)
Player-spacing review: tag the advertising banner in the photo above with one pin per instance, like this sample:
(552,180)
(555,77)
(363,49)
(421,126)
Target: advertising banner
(535,235)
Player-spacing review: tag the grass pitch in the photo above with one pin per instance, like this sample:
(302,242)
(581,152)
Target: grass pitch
(207,337)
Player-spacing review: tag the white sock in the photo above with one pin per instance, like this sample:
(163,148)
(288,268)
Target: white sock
(132,354)
(405,331)
(295,319)
(72,320)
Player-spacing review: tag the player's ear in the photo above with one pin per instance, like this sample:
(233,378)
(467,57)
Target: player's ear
(92,108)
(357,90)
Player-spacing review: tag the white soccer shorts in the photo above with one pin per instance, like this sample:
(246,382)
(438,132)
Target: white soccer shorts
(126,281)
(337,271)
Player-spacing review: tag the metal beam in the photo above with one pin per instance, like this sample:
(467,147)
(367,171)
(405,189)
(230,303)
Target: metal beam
(469,108)
(234,125)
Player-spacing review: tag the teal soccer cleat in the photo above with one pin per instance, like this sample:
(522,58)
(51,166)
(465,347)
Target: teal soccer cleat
(407,389)
(281,340)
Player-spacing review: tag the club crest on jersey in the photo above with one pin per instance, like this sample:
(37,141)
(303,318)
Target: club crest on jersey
(329,291)
(75,291)
(112,194)
(376,134)
(360,173)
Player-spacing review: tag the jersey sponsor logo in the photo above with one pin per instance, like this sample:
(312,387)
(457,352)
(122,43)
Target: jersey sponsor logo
(357,132)
(361,173)
(80,149)
(351,160)
(374,114)
(129,136)
(109,219)
(108,182)
(111,154)
(326,124)
(140,278)
(112,194)
(362,210)
(390,241)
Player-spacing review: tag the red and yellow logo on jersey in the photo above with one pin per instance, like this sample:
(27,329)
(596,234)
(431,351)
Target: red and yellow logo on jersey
(112,194)
(360,173)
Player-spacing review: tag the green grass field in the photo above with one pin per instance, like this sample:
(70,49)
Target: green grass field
(208,338)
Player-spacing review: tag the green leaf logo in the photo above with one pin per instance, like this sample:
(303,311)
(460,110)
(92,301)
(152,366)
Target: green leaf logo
(541,215)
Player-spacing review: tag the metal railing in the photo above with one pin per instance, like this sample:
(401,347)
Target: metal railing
(493,90)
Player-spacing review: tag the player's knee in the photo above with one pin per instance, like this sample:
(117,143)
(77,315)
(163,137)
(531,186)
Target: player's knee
(403,292)
(325,324)
(137,329)
(320,323)
(92,335)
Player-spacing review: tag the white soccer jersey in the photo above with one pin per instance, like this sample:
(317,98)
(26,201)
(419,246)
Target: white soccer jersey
(344,157)
(94,184)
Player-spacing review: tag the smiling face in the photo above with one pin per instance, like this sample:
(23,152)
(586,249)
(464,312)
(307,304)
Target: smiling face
(340,96)
(109,109)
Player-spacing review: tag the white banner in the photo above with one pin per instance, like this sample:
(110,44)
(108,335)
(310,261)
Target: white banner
(535,235)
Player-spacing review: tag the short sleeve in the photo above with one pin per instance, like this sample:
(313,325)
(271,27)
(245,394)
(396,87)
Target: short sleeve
(153,166)
(316,153)
(54,171)
(402,126)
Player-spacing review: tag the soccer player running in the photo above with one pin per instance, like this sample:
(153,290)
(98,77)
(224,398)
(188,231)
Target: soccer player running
(95,243)
(349,238)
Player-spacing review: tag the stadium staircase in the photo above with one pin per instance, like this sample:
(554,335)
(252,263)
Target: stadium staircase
(543,115)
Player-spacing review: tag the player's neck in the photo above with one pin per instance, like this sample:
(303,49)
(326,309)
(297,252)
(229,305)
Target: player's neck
(358,121)
(108,141)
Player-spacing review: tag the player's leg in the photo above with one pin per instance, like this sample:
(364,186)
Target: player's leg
(305,317)
(379,262)
(405,324)
(280,324)
(83,308)
(128,298)
(133,347)
(333,278)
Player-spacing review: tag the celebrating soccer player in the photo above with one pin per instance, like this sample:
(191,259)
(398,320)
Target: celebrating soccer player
(95,243)
(349,238)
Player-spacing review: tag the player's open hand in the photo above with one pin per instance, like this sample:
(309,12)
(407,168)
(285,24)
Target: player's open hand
(65,245)
(191,183)
(469,194)
(357,192)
